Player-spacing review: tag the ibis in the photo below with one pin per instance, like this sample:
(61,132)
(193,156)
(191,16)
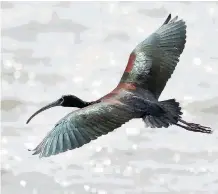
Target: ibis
(149,67)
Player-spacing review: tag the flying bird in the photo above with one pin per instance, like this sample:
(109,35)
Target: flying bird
(149,67)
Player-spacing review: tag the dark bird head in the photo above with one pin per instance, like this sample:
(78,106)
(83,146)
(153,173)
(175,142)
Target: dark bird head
(65,101)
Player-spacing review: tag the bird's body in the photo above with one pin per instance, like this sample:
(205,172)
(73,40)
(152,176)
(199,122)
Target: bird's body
(148,69)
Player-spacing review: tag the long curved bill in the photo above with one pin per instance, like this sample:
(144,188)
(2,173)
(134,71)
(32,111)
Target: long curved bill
(53,104)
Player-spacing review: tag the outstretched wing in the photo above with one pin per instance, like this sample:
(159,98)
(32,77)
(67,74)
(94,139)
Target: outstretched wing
(153,61)
(83,125)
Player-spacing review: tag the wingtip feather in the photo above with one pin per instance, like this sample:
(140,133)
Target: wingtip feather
(167,20)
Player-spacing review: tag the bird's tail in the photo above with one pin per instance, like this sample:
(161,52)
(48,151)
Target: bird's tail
(172,113)
(172,116)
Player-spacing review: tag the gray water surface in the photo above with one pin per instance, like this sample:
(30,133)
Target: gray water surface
(81,48)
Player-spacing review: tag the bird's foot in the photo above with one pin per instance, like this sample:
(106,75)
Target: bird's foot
(194,127)
(199,128)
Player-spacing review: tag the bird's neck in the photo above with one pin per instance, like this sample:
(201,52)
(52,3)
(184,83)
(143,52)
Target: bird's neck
(85,104)
(81,103)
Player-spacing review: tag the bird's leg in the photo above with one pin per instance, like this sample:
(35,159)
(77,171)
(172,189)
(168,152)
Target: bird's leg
(194,127)
(193,124)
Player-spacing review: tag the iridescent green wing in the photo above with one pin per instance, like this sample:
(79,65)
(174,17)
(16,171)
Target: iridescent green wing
(153,61)
(83,125)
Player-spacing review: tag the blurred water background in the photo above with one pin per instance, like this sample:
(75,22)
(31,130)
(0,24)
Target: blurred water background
(54,48)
